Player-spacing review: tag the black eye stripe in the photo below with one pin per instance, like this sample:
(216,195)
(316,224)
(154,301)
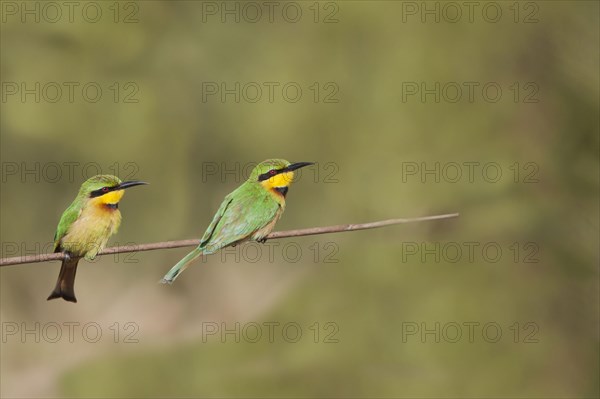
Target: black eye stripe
(269,174)
(101,191)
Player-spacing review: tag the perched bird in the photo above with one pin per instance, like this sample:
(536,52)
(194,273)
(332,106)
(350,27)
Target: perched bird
(248,213)
(85,227)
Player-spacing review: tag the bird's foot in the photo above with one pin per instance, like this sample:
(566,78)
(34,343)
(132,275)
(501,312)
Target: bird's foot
(263,240)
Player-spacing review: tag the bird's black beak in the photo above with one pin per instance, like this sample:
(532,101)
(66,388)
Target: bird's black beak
(127,184)
(298,165)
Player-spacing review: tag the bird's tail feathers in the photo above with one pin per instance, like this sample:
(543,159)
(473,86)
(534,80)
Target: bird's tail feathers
(65,285)
(181,266)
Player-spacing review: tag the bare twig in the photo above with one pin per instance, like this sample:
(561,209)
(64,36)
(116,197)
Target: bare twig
(189,243)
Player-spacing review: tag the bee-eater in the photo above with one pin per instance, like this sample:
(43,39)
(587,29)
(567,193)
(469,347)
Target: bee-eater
(85,227)
(248,213)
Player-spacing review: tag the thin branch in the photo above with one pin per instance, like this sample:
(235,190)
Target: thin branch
(17,260)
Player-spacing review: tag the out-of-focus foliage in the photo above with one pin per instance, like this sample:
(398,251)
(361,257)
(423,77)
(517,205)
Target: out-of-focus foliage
(174,134)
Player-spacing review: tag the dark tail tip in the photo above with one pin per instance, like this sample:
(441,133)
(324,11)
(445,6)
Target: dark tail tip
(65,285)
(66,296)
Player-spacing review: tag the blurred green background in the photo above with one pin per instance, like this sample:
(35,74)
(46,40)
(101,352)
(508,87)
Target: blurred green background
(155,120)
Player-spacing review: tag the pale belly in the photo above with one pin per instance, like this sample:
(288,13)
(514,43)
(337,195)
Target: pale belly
(89,234)
(268,228)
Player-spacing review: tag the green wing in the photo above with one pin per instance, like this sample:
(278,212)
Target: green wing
(243,212)
(211,228)
(66,220)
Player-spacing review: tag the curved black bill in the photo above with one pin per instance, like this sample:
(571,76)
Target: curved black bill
(298,165)
(127,184)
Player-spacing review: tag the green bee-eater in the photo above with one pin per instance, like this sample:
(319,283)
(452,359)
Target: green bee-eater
(85,227)
(248,213)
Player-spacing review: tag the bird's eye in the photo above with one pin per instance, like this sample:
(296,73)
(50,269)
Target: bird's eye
(272,172)
(104,189)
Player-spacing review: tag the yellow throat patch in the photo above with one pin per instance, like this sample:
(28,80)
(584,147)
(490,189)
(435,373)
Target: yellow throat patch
(112,197)
(279,180)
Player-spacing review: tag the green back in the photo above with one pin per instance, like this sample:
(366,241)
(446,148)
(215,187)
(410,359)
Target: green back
(244,211)
(66,220)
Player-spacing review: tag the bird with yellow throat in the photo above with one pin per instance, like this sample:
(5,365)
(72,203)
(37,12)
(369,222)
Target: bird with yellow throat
(85,227)
(248,213)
